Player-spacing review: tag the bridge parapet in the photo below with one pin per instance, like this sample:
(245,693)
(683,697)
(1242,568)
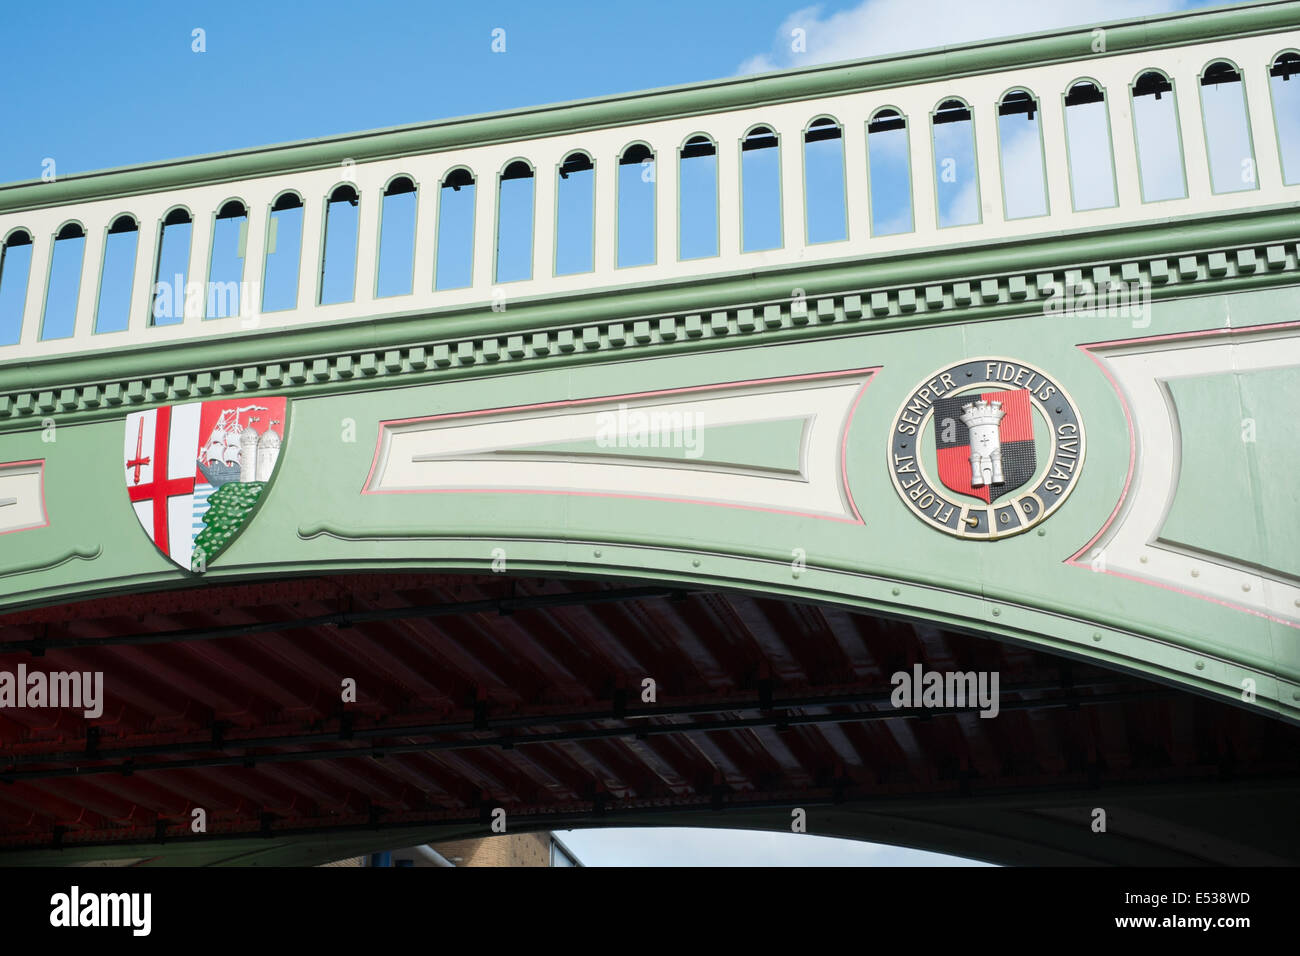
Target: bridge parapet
(1162,93)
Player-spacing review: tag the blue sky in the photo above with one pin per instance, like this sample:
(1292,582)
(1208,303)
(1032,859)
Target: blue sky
(104,85)
(101,85)
(112,84)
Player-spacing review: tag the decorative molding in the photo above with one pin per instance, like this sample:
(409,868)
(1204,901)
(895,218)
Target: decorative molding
(461,452)
(1128,544)
(72,554)
(22,496)
(888,307)
(1163,653)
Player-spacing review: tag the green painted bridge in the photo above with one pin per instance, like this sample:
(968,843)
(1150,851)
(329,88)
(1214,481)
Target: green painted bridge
(693,422)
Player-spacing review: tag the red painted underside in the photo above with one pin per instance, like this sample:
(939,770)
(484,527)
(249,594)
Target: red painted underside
(561,671)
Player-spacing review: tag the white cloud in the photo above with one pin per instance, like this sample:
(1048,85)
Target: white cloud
(875,27)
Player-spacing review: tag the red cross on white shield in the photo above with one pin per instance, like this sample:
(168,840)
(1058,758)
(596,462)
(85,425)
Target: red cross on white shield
(158,468)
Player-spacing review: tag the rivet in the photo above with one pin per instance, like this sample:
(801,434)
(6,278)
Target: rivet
(895,592)
(1200,665)
(997,612)
(1096,637)
(695,563)
(596,553)
(1042,533)
(1143,559)
(1196,573)
(1245,587)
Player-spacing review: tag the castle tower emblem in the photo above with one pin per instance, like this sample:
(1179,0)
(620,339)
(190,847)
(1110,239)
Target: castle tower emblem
(984,419)
(247,454)
(986,448)
(268,452)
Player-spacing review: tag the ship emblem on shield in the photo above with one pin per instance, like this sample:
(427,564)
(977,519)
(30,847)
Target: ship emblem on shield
(195,473)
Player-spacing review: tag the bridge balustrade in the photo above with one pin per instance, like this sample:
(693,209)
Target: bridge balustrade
(1083,144)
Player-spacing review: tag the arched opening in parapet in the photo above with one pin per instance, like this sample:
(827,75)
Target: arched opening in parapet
(224,292)
(395,267)
(956,170)
(15,272)
(889,173)
(1229,145)
(697,198)
(338,265)
(63,283)
(1020,155)
(283,259)
(117,275)
(825,205)
(636,206)
(760,190)
(1159,138)
(172,268)
(515,202)
(575,214)
(454,265)
(1089,149)
(1284,86)
(401,703)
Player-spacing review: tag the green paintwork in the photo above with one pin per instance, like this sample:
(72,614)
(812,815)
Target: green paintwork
(758,446)
(315,520)
(902,315)
(1142,33)
(1240,468)
(1024,257)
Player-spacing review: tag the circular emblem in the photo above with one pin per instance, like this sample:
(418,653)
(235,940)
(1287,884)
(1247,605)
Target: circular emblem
(986,449)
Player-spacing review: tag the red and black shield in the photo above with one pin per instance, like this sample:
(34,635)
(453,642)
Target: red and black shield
(1015,441)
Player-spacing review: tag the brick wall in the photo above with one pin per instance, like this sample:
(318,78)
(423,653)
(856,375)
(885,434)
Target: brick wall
(509,849)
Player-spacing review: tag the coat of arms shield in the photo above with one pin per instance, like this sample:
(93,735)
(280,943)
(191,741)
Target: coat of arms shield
(985,442)
(196,472)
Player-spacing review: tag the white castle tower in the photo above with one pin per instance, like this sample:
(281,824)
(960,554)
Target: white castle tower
(983,419)
(248,452)
(268,451)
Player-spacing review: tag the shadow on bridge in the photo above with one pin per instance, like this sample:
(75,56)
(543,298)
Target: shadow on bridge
(306,720)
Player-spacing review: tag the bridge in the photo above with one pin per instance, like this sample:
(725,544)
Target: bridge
(649,460)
